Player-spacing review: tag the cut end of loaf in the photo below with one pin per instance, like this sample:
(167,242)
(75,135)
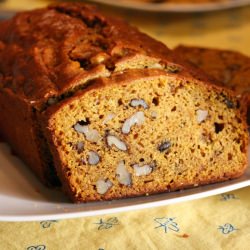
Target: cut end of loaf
(147,136)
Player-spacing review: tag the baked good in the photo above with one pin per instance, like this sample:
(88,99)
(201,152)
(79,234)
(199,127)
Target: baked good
(143,132)
(230,68)
(114,111)
(47,54)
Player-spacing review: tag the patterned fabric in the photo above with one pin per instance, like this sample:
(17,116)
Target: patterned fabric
(217,222)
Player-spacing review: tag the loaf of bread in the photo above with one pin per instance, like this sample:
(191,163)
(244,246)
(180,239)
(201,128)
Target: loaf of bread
(230,68)
(110,111)
(47,55)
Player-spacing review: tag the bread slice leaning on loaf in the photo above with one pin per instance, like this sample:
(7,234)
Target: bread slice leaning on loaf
(230,68)
(114,111)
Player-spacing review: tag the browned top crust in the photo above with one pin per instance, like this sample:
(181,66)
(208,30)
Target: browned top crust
(230,68)
(48,52)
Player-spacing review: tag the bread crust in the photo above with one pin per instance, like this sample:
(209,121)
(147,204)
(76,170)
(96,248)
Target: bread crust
(20,129)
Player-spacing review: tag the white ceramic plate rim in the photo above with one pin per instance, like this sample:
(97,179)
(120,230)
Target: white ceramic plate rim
(172,7)
(24,198)
(67,214)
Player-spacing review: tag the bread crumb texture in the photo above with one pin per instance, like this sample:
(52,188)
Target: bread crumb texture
(179,134)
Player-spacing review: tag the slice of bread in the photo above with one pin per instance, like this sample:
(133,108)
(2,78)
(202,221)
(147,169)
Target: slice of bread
(145,131)
(230,68)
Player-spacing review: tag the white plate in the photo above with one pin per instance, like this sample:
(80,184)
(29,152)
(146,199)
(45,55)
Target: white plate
(173,7)
(23,198)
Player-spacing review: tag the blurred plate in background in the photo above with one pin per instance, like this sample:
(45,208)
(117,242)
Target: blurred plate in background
(148,5)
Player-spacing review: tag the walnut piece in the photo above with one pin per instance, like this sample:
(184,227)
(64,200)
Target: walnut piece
(143,170)
(103,186)
(138,102)
(92,135)
(123,176)
(93,158)
(201,115)
(118,143)
(137,118)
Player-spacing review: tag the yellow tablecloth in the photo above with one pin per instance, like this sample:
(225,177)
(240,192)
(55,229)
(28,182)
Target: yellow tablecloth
(218,222)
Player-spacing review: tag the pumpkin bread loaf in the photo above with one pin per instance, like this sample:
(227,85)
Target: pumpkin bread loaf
(47,55)
(114,112)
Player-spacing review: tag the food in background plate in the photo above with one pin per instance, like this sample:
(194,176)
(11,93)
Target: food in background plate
(113,112)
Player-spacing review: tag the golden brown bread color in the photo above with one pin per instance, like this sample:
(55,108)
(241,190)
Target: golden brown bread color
(47,54)
(183,134)
(230,68)
(111,108)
